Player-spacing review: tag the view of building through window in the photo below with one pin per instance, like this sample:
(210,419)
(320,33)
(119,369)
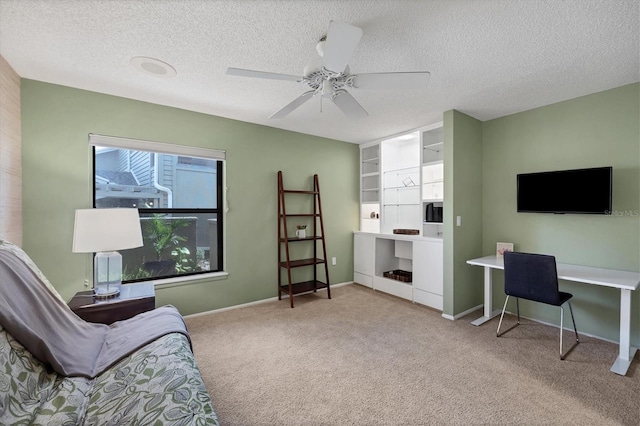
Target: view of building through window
(179,200)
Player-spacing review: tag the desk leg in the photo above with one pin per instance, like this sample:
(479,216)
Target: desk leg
(488,293)
(627,352)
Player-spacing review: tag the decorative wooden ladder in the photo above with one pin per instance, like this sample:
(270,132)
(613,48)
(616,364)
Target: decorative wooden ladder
(284,239)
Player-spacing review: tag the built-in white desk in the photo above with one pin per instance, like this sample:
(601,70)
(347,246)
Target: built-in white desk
(626,281)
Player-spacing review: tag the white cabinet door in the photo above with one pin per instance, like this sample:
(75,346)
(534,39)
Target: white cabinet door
(363,254)
(428,266)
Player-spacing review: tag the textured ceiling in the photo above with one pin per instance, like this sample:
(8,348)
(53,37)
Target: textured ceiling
(487,58)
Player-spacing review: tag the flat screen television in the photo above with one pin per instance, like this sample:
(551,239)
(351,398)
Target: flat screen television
(587,191)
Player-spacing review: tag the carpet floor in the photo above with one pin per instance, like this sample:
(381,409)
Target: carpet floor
(368,358)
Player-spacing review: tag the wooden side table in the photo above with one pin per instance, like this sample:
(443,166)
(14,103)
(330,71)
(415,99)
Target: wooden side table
(132,300)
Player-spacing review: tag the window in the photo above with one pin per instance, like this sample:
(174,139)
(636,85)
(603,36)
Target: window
(178,193)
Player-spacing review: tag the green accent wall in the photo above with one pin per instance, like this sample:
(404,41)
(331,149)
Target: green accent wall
(57,175)
(463,194)
(595,130)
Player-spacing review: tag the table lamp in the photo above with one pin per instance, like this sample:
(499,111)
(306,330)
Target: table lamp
(103,231)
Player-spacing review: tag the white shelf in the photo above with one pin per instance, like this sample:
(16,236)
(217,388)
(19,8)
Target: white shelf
(402,169)
(432,200)
(432,146)
(370,174)
(437,147)
(402,187)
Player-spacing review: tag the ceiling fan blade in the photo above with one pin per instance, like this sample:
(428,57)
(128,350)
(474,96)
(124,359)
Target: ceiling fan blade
(293,104)
(349,105)
(261,74)
(342,40)
(392,80)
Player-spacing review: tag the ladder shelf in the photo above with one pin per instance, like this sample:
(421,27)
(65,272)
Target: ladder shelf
(315,236)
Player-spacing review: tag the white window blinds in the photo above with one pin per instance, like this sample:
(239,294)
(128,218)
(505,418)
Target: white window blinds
(160,147)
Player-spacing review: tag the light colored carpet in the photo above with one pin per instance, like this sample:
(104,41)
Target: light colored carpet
(367,358)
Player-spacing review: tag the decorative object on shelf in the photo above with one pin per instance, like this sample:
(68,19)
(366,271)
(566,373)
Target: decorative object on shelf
(399,275)
(433,213)
(301,231)
(408,182)
(103,231)
(502,247)
(406,231)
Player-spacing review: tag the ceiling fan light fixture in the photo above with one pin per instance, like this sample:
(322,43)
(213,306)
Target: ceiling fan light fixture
(320,46)
(152,66)
(327,89)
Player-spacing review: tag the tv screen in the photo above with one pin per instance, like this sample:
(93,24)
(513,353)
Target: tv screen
(566,191)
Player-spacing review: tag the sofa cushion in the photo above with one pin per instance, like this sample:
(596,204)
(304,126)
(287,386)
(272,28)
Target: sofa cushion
(30,394)
(158,384)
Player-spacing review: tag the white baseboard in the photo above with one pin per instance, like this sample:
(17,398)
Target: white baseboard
(461,314)
(257,302)
(445,316)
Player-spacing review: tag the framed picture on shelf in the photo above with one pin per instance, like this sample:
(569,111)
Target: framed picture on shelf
(502,247)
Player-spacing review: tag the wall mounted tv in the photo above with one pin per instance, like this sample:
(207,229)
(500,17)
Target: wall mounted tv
(585,191)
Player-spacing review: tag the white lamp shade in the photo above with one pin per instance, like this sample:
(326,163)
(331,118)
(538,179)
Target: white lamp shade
(99,230)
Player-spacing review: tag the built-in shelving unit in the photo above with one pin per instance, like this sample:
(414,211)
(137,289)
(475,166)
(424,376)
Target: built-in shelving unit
(400,182)
(376,254)
(370,188)
(432,182)
(402,187)
(370,174)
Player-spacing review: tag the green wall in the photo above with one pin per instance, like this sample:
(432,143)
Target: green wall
(463,194)
(596,130)
(57,180)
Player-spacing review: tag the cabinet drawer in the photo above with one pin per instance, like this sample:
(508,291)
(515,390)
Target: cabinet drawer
(397,288)
(428,299)
(366,280)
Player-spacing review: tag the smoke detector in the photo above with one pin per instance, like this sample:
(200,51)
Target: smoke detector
(152,66)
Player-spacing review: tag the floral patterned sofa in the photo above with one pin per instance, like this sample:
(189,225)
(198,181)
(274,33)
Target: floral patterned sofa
(159,384)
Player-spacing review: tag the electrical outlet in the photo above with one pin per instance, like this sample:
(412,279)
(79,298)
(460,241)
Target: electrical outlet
(86,283)
(333,261)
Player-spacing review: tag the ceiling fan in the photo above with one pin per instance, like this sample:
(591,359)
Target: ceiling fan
(329,76)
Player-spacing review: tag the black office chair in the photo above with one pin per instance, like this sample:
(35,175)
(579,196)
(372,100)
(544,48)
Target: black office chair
(534,277)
